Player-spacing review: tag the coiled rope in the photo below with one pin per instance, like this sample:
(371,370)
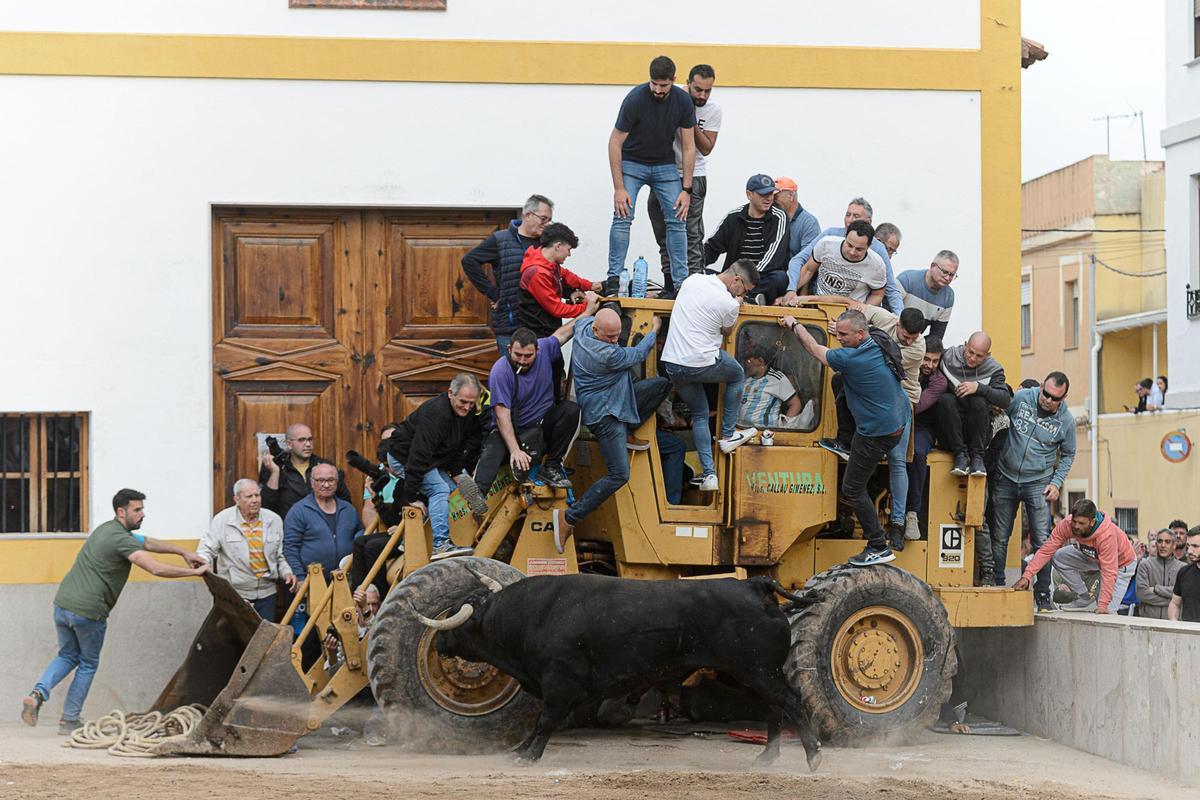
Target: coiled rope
(135,735)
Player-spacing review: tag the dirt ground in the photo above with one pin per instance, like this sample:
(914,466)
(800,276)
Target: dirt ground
(586,765)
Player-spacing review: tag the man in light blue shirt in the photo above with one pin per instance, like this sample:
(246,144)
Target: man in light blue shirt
(858,209)
(611,405)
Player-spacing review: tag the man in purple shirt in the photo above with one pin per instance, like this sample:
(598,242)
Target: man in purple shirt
(933,386)
(527,424)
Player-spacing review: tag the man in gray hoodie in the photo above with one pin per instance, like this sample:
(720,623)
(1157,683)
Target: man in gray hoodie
(1032,467)
(1155,582)
(976,381)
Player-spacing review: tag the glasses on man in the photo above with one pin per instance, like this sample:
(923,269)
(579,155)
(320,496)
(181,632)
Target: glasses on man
(1052,398)
(544,218)
(324,480)
(949,275)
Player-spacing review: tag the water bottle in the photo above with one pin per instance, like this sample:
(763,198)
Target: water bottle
(640,268)
(623,287)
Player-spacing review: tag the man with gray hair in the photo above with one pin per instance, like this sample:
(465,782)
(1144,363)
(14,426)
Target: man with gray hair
(876,398)
(244,545)
(857,209)
(928,290)
(504,250)
(432,451)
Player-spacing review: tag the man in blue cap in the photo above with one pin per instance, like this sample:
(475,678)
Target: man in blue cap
(756,232)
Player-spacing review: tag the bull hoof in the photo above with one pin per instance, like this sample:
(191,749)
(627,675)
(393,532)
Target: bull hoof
(522,760)
(766,758)
(814,760)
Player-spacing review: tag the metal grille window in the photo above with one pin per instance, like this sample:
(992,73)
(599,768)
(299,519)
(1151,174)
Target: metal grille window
(1127,520)
(43,473)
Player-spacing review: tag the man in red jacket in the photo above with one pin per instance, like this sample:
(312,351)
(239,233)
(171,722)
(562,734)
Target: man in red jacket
(544,281)
(1098,546)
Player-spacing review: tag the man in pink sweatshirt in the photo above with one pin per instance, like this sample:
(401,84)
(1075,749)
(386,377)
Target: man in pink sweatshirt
(1098,546)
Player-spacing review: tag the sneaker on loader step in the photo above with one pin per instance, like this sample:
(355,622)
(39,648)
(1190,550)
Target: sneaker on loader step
(962,464)
(709,483)
(835,447)
(895,536)
(634,443)
(870,556)
(977,465)
(739,438)
(563,528)
(449,550)
(1044,604)
(1085,602)
(30,706)
(553,475)
(912,526)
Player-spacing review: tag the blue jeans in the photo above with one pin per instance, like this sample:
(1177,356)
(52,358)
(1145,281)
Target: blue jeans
(265,607)
(919,468)
(689,382)
(671,451)
(898,474)
(664,181)
(79,643)
(610,434)
(1006,495)
(503,340)
(437,485)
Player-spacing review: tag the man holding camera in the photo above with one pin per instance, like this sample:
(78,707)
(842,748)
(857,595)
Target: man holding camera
(285,476)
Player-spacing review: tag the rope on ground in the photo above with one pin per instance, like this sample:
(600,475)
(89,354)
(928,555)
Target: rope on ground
(135,735)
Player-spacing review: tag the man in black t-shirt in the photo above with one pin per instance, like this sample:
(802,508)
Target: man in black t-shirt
(640,153)
(1185,598)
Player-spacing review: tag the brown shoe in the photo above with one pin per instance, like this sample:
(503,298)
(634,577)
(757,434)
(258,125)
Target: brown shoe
(634,443)
(30,706)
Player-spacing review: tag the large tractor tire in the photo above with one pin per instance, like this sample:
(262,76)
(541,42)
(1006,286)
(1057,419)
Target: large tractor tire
(437,704)
(873,657)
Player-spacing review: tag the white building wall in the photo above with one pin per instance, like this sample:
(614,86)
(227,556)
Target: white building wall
(109,185)
(866,23)
(1181,139)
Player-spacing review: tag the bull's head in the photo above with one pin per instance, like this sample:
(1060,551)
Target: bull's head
(460,617)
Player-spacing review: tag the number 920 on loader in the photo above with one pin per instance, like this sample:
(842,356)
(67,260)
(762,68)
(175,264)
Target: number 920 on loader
(873,655)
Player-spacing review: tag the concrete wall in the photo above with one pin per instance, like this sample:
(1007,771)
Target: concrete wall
(1121,688)
(148,635)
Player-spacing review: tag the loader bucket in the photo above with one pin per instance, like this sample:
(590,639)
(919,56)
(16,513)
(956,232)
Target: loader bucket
(239,667)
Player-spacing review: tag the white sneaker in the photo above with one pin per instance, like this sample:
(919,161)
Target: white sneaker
(738,439)
(709,484)
(912,526)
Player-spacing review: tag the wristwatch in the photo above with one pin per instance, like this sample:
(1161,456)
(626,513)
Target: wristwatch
(687,189)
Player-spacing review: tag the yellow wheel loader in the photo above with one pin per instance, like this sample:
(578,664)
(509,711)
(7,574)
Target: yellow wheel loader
(874,655)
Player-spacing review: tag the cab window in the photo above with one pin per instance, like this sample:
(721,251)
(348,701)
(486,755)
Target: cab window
(783,382)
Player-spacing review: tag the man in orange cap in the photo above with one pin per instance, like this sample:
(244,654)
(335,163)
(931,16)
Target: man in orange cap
(803,227)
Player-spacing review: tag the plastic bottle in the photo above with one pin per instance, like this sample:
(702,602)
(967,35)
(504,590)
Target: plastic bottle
(623,288)
(640,268)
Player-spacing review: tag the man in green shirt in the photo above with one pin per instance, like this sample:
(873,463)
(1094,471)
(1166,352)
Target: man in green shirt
(88,593)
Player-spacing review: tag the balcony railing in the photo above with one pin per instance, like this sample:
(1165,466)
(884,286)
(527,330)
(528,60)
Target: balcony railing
(1193,302)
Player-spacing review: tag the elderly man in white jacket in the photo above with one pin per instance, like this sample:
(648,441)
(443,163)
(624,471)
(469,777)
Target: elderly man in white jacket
(244,543)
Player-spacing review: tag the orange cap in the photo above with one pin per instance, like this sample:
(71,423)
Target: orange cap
(785,184)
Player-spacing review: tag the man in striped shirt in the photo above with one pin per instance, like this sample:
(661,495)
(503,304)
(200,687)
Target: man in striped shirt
(756,232)
(766,393)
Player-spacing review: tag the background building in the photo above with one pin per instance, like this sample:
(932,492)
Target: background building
(230,215)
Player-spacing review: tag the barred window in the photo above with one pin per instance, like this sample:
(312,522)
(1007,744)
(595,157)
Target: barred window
(43,473)
(1127,520)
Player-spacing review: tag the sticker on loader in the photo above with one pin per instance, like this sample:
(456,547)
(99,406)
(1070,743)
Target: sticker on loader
(950,549)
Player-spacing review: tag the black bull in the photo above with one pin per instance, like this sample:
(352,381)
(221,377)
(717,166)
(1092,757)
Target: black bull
(574,639)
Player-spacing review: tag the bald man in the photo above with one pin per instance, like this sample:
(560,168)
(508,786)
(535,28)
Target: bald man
(976,381)
(285,478)
(612,404)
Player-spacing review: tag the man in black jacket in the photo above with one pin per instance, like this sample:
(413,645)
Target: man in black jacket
(503,250)
(757,231)
(284,478)
(432,450)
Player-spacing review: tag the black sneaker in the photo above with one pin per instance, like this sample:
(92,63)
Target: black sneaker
(977,465)
(835,447)
(986,577)
(666,294)
(612,286)
(552,475)
(1043,604)
(962,464)
(68,726)
(895,535)
(870,556)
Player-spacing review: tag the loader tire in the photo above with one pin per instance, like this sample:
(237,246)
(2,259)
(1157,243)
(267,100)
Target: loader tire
(436,704)
(874,657)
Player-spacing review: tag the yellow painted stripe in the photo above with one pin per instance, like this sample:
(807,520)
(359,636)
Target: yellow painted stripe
(477,61)
(48,560)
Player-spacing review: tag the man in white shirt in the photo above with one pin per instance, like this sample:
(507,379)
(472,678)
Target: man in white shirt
(708,125)
(845,266)
(706,309)
(246,543)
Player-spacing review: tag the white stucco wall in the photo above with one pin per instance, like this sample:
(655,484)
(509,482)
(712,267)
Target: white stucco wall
(109,185)
(1181,139)
(866,23)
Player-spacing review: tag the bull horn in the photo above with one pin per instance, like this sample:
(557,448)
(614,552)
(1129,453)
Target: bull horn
(450,623)
(491,583)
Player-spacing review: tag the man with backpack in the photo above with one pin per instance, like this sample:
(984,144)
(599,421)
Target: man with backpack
(871,370)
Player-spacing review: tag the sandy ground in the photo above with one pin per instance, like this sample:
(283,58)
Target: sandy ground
(584,765)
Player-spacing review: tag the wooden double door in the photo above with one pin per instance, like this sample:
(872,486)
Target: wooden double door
(340,319)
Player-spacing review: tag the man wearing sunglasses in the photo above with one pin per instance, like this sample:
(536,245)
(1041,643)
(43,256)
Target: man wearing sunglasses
(1031,469)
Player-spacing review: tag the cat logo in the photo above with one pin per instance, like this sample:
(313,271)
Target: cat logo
(950,547)
(540,527)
